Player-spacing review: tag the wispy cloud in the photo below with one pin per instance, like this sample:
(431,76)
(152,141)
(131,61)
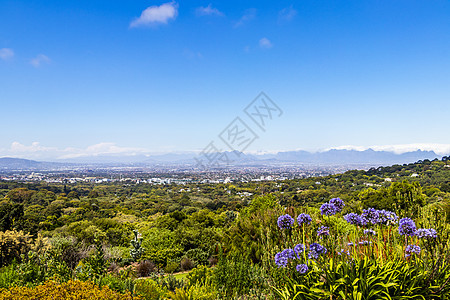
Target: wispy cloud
(6,53)
(287,14)
(39,152)
(208,11)
(249,15)
(265,43)
(101,149)
(39,60)
(155,15)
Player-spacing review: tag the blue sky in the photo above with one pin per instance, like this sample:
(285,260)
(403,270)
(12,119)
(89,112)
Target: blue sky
(92,77)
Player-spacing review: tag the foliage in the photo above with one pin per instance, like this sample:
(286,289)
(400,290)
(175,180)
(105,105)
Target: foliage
(69,290)
(199,275)
(236,276)
(12,245)
(136,250)
(145,268)
(194,292)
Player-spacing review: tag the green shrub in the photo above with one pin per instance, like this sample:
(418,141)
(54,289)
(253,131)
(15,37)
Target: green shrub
(199,275)
(235,276)
(172,267)
(149,289)
(12,245)
(194,292)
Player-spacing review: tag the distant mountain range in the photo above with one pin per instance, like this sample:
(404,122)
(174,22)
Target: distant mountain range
(330,157)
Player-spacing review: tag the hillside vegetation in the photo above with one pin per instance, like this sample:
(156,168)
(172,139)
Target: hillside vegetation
(376,234)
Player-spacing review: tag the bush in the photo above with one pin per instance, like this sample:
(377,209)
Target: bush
(51,290)
(198,275)
(145,268)
(198,256)
(170,283)
(149,289)
(65,249)
(8,276)
(172,267)
(198,292)
(235,276)
(186,264)
(12,245)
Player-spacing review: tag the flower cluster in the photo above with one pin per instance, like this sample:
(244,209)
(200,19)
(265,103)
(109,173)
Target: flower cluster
(282,258)
(371,215)
(327,209)
(338,204)
(315,250)
(354,219)
(426,233)
(407,227)
(387,217)
(298,249)
(302,268)
(285,222)
(412,249)
(304,219)
(332,207)
(324,230)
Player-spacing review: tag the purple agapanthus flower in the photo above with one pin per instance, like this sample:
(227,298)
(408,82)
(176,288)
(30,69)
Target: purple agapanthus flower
(285,222)
(302,268)
(388,217)
(426,233)
(371,215)
(337,203)
(282,258)
(328,209)
(304,219)
(406,227)
(354,219)
(322,231)
(298,249)
(412,249)
(315,250)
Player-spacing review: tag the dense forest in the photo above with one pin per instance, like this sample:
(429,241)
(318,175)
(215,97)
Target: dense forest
(385,237)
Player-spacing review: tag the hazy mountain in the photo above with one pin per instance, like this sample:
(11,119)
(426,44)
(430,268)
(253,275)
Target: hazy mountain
(10,163)
(330,157)
(354,157)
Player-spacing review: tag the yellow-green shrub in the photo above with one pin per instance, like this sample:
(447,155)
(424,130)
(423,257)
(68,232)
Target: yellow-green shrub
(73,289)
(13,244)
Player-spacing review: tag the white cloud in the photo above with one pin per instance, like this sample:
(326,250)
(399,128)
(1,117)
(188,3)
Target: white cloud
(6,53)
(265,43)
(39,60)
(208,11)
(39,152)
(101,149)
(249,15)
(287,14)
(155,15)
(440,149)
(17,147)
